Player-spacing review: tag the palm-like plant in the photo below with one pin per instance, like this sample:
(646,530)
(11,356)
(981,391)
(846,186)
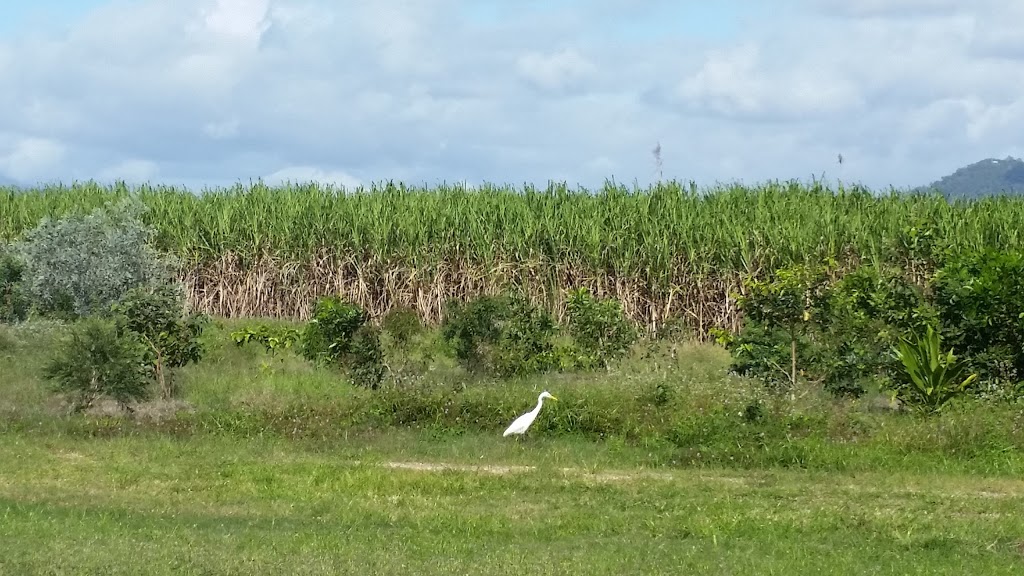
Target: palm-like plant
(934,378)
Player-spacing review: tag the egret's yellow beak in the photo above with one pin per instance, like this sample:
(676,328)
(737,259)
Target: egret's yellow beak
(555,399)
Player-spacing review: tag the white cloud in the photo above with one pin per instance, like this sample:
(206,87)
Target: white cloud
(740,82)
(133,171)
(29,159)
(221,130)
(306,174)
(555,71)
(227,90)
(241,21)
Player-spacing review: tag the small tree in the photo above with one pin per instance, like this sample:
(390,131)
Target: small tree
(786,304)
(82,264)
(599,328)
(401,324)
(473,328)
(328,335)
(365,358)
(525,344)
(97,360)
(505,336)
(156,316)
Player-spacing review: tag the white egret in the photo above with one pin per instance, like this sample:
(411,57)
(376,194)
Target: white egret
(519,425)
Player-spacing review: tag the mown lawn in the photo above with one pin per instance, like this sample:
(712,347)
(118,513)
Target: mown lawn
(211,504)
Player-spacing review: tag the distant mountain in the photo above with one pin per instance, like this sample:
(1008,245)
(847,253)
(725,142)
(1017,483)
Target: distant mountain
(985,178)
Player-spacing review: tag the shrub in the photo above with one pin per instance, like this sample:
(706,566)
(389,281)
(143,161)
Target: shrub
(401,325)
(778,314)
(156,316)
(272,339)
(13,301)
(80,265)
(600,330)
(525,345)
(981,307)
(472,329)
(328,335)
(838,333)
(338,335)
(930,378)
(501,335)
(861,317)
(365,359)
(98,360)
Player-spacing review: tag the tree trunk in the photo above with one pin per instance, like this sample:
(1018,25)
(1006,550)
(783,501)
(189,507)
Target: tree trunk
(792,378)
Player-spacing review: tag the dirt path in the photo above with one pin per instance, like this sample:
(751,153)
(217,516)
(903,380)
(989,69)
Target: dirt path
(952,486)
(605,476)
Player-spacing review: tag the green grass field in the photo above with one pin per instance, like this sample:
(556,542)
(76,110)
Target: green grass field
(276,467)
(218,505)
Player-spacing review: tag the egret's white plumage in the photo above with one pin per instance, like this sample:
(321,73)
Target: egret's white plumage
(519,425)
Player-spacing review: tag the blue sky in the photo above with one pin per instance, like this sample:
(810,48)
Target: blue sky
(42,15)
(211,92)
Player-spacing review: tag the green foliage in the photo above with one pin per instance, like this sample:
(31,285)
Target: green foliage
(473,328)
(100,360)
(981,306)
(365,358)
(525,344)
(863,314)
(156,316)
(338,335)
(7,343)
(501,335)
(777,314)
(401,324)
(600,330)
(13,301)
(80,265)
(328,335)
(408,348)
(273,340)
(931,379)
(919,249)
(836,333)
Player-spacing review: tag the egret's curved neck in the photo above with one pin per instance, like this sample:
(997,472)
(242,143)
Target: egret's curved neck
(540,402)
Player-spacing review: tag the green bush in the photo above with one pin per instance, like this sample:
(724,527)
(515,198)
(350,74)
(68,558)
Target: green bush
(83,264)
(861,317)
(930,378)
(327,337)
(401,325)
(473,328)
(272,339)
(13,300)
(100,360)
(981,307)
(156,316)
(365,359)
(338,335)
(504,336)
(525,345)
(780,313)
(838,333)
(600,330)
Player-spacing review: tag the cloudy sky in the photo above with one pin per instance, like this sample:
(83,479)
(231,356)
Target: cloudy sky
(211,92)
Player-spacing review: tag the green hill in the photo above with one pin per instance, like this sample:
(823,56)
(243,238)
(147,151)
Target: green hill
(988,177)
